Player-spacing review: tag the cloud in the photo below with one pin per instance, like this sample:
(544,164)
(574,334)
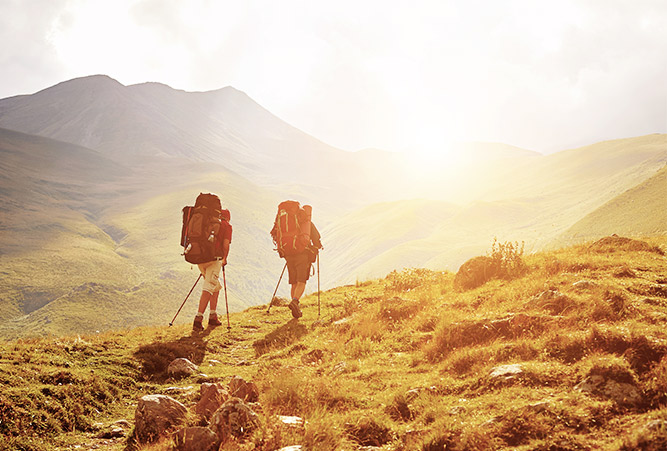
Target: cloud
(537,74)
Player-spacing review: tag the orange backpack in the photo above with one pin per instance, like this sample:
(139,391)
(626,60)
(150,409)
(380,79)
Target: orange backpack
(291,228)
(201,225)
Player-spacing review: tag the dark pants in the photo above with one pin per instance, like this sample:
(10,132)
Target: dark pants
(298,267)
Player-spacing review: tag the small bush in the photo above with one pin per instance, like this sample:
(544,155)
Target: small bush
(503,262)
(411,278)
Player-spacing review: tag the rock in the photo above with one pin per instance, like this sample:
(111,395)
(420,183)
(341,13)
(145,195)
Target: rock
(181,368)
(622,393)
(212,397)
(195,439)
(155,415)
(233,418)
(291,420)
(112,432)
(584,285)
(506,372)
(247,391)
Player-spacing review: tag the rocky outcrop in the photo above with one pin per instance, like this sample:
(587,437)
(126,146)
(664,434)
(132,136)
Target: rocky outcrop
(213,395)
(181,368)
(155,416)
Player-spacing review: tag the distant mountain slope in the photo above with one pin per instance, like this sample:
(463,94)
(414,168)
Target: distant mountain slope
(75,224)
(532,200)
(152,120)
(640,211)
(102,204)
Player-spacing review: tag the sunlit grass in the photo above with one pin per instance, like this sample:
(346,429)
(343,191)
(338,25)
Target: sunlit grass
(404,362)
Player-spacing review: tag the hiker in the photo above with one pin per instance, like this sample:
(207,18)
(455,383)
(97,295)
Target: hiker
(297,241)
(211,272)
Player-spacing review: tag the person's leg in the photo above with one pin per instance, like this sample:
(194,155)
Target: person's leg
(302,271)
(203,302)
(298,289)
(211,273)
(213,319)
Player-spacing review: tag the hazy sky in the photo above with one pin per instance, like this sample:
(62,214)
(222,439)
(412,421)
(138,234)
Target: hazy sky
(543,75)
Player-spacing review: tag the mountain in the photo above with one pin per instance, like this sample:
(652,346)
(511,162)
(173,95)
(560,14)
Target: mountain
(640,211)
(225,127)
(94,175)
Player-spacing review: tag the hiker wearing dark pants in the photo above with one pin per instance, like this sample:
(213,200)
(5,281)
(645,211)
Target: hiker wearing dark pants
(298,268)
(211,272)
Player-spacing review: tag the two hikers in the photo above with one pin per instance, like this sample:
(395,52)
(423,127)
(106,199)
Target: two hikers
(207,234)
(298,242)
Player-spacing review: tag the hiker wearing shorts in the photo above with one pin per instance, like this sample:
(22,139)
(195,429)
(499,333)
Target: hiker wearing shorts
(211,273)
(298,268)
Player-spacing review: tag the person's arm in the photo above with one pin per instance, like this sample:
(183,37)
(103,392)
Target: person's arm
(315,236)
(225,251)
(226,241)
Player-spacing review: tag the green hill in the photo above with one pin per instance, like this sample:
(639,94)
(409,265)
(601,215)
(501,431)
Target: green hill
(570,355)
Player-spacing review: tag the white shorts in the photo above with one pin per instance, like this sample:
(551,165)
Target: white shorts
(211,273)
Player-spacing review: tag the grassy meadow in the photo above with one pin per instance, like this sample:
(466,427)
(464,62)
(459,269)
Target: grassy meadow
(407,362)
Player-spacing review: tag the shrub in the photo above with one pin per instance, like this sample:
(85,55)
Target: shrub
(503,262)
(411,278)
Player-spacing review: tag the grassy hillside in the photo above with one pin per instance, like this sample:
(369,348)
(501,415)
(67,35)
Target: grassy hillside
(525,197)
(406,363)
(641,210)
(74,219)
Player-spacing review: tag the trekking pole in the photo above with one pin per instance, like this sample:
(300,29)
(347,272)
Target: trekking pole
(224,281)
(186,298)
(276,290)
(318,285)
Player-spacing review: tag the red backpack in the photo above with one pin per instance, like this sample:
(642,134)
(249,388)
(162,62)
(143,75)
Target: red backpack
(201,225)
(291,229)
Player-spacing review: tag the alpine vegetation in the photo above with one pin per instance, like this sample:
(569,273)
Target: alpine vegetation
(562,349)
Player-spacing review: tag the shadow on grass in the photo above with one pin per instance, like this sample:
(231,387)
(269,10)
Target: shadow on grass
(156,357)
(281,337)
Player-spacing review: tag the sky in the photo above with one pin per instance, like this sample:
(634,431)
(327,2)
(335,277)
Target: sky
(401,76)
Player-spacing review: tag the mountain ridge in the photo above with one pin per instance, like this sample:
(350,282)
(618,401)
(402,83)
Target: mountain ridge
(124,210)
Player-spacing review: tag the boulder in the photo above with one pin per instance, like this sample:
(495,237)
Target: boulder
(155,415)
(506,372)
(181,368)
(623,393)
(247,391)
(195,439)
(234,418)
(213,395)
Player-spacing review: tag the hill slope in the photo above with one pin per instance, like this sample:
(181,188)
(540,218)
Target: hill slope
(76,224)
(572,355)
(640,211)
(105,209)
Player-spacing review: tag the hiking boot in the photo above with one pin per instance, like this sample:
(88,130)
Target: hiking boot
(197,325)
(294,307)
(213,321)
